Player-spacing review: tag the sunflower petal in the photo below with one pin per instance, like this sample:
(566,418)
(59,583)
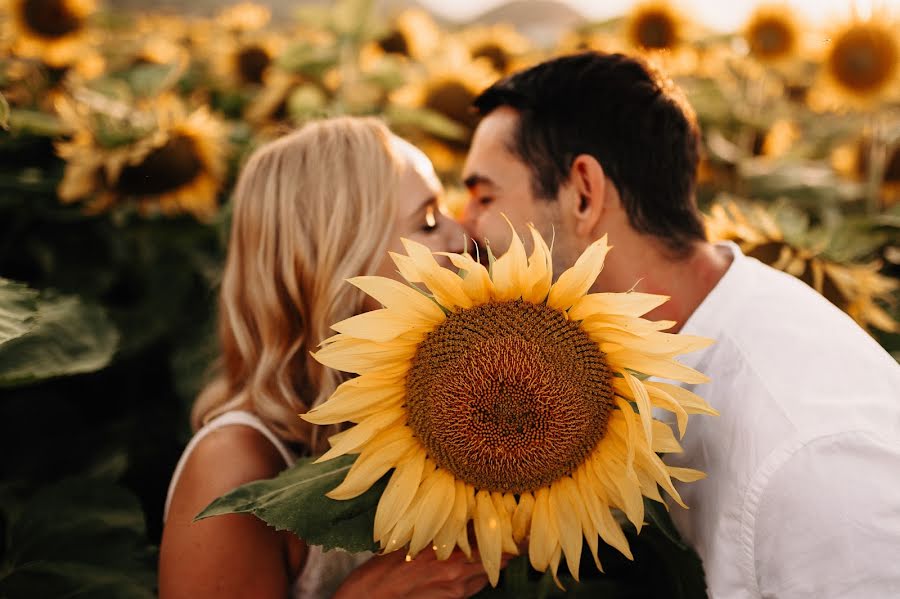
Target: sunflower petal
(656,366)
(399,297)
(631,303)
(352,403)
(360,434)
(686,475)
(510,270)
(444,284)
(445,539)
(477,281)
(554,566)
(563,511)
(398,494)
(691,402)
(539,276)
(381,325)
(488,534)
(521,520)
(435,508)
(506,539)
(575,282)
(642,399)
(380,455)
(543,532)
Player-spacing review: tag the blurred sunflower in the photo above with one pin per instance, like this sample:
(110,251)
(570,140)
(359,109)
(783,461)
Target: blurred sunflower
(655,26)
(773,34)
(852,288)
(54,31)
(162,158)
(449,88)
(500,45)
(241,62)
(861,65)
(507,400)
(243,17)
(413,33)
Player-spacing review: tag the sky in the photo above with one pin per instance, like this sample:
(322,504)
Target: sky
(724,15)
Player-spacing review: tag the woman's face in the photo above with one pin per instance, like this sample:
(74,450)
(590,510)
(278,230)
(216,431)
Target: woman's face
(419,216)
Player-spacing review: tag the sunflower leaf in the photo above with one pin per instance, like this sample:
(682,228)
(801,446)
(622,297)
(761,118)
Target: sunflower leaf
(66,336)
(295,501)
(18,308)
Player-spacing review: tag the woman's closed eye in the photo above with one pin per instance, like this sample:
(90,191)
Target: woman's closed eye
(431,221)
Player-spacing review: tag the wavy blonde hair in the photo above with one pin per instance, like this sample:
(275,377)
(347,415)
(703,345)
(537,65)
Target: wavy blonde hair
(311,209)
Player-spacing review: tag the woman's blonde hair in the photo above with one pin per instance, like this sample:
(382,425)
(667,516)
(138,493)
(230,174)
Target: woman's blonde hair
(311,209)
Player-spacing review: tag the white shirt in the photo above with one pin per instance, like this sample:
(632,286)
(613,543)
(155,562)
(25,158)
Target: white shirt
(802,497)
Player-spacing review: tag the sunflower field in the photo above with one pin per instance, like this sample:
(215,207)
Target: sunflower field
(121,135)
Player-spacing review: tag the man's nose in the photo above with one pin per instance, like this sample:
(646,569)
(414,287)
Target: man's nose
(469,219)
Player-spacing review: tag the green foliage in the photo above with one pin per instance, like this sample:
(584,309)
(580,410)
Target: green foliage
(58,336)
(82,537)
(295,500)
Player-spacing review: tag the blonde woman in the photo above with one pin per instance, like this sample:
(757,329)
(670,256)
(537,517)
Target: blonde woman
(311,209)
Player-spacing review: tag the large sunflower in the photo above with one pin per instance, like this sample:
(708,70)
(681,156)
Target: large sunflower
(501,398)
(172,162)
(53,31)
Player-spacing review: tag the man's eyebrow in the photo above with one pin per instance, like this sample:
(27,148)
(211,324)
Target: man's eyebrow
(476,179)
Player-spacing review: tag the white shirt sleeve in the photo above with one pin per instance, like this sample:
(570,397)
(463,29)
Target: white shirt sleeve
(827,521)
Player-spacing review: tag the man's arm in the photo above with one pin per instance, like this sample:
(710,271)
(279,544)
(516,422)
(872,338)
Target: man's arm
(828,521)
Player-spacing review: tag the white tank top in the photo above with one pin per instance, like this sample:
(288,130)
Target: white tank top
(324,571)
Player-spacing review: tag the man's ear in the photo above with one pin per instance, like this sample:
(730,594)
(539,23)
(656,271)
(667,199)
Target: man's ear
(588,184)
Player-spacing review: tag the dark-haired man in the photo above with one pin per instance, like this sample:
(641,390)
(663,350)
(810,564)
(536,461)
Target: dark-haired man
(803,493)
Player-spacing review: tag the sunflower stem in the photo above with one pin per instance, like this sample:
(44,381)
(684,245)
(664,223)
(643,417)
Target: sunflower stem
(876,166)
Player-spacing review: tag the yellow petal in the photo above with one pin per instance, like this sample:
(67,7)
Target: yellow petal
(445,539)
(381,325)
(539,277)
(563,511)
(443,283)
(510,270)
(434,510)
(507,543)
(399,297)
(365,357)
(575,282)
(691,402)
(355,437)
(401,534)
(383,453)
(398,494)
(353,403)
(476,282)
(521,520)
(488,535)
(611,531)
(543,532)
(651,463)
(589,520)
(664,440)
(686,475)
(554,566)
(665,401)
(407,268)
(642,399)
(655,366)
(628,324)
(626,304)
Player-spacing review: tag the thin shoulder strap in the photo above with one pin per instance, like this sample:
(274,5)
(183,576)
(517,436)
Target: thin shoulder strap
(233,418)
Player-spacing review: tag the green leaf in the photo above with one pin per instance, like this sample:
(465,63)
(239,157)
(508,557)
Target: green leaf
(18,308)
(69,336)
(657,514)
(295,500)
(82,537)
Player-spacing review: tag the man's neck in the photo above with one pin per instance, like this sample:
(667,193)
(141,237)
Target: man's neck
(637,265)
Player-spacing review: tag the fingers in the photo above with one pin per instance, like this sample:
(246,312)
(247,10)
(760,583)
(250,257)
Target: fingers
(474,584)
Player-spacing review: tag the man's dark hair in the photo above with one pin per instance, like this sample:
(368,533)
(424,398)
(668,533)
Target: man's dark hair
(634,121)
